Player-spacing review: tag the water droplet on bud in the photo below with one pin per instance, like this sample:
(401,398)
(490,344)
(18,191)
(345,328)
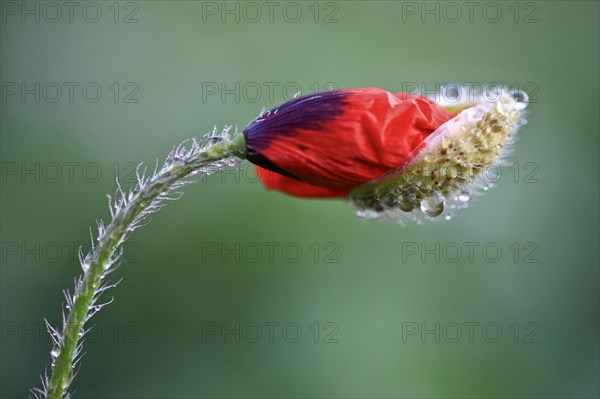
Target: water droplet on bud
(367,214)
(389,200)
(464,196)
(521,98)
(407,202)
(433,206)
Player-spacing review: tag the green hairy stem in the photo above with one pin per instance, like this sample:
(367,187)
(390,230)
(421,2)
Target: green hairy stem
(128,209)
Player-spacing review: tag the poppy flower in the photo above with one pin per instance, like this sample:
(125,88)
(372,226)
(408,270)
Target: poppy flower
(387,152)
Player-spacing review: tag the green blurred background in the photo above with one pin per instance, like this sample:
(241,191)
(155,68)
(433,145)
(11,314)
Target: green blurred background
(194,271)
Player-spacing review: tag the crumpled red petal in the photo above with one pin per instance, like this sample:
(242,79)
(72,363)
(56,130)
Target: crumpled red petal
(297,188)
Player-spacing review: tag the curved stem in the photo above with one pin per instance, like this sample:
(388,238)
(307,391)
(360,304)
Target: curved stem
(127,211)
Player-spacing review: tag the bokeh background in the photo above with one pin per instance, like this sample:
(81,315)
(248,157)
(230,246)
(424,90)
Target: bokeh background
(350,302)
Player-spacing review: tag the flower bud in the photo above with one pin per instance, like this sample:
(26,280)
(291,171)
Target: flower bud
(390,154)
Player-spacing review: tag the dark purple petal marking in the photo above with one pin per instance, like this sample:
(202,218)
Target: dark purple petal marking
(260,160)
(307,112)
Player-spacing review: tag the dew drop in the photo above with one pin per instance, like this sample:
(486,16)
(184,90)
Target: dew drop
(448,217)
(407,202)
(389,200)
(55,352)
(495,126)
(452,93)
(433,206)
(464,196)
(521,98)
(367,214)
(213,140)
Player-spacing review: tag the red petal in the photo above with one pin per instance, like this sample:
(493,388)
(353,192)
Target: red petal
(375,132)
(287,185)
